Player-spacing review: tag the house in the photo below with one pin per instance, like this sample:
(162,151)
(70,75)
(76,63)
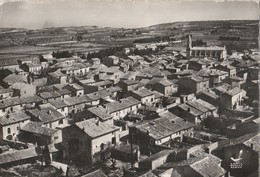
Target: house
(215,76)
(89,140)
(253,73)
(24,90)
(144,95)
(194,111)
(6,93)
(210,97)
(111,73)
(15,104)
(123,153)
(199,167)
(197,64)
(33,68)
(227,68)
(160,131)
(77,104)
(76,89)
(12,79)
(11,124)
(103,84)
(95,61)
(155,160)
(56,77)
(64,93)
(193,84)
(128,85)
(76,69)
(110,61)
(135,58)
(121,108)
(48,116)
(99,113)
(18,157)
(234,81)
(34,132)
(232,99)
(60,106)
(48,96)
(251,126)
(252,89)
(165,87)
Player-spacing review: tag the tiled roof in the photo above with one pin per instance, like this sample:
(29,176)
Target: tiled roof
(77,100)
(207,167)
(209,48)
(17,155)
(16,101)
(123,104)
(36,128)
(102,83)
(11,79)
(197,79)
(158,155)
(206,104)
(14,118)
(198,106)
(47,95)
(76,86)
(210,94)
(165,82)
(211,72)
(95,128)
(162,127)
(57,74)
(143,92)
(46,115)
(130,82)
(63,92)
(190,109)
(234,91)
(58,103)
(97,173)
(100,112)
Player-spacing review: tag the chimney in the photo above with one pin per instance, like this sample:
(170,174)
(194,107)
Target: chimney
(49,112)
(188,109)
(252,145)
(97,123)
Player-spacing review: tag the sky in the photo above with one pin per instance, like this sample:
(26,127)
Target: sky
(33,14)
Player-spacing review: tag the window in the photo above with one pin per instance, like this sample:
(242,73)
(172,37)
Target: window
(151,141)
(18,128)
(9,131)
(113,140)
(62,109)
(55,137)
(3,109)
(61,121)
(1,96)
(151,99)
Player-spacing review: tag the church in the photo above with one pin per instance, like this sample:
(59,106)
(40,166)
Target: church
(209,51)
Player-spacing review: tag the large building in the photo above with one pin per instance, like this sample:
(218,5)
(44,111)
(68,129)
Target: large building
(209,51)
